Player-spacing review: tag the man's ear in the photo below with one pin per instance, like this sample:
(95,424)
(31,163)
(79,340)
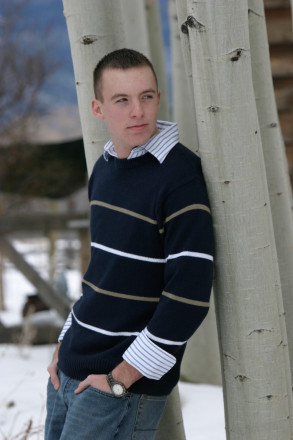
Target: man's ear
(159,97)
(97,109)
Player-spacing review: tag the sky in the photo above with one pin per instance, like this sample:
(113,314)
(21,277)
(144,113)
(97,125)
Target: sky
(59,94)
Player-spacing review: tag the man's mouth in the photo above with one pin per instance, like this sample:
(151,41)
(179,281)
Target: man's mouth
(137,127)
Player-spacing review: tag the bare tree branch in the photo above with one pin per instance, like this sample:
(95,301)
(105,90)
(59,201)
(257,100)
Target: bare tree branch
(25,65)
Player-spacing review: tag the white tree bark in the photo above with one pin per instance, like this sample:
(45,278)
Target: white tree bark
(135,25)
(201,362)
(275,157)
(255,361)
(171,426)
(183,102)
(157,55)
(96,27)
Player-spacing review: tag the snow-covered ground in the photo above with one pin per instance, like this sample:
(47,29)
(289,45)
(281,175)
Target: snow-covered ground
(23,378)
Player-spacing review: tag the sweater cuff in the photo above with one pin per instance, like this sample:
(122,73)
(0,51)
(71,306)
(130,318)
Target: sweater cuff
(65,327)
(148,358)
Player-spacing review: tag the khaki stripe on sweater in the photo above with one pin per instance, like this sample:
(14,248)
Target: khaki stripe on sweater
(191,302)
(148,219)
(124,211)
(120,295)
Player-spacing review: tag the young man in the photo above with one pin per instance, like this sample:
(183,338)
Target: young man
(148,284)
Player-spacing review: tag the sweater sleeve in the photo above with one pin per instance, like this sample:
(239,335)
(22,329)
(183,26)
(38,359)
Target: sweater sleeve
(188,244)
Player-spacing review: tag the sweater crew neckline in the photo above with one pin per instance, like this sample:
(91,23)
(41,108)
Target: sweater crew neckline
(133,163)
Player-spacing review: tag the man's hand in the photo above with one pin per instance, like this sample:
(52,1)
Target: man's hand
(124,373)
(98,381)
(53,369)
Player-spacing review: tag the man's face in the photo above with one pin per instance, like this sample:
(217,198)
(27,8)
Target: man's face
(129,108)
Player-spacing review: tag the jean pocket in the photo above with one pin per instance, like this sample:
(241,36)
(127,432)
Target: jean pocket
(101,392)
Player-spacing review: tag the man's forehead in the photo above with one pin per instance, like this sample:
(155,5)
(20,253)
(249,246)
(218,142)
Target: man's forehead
(130,76)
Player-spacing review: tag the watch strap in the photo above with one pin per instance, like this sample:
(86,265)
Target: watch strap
(112,382)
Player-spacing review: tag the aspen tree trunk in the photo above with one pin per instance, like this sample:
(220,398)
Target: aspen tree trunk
(135,25)
(96,27)
(157,54)
(274,156)
(142,29)
(171,426)
(183,102)
(254,352)
(201,362)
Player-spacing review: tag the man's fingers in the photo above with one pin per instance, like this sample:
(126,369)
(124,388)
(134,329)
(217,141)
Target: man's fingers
(81,387)
(54,376)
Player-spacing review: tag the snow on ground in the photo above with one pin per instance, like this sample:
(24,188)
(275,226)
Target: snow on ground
(23,376)
(23,380)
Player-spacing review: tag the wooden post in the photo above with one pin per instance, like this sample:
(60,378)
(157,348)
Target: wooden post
(2,303)
(50,297)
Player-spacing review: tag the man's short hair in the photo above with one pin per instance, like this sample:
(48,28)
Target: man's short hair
(119,59)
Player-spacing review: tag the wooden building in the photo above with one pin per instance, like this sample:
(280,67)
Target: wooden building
(279,26)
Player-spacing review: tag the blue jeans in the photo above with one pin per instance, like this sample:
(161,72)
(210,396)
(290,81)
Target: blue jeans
(98,415)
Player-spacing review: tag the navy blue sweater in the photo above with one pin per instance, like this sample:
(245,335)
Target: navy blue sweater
(148,284)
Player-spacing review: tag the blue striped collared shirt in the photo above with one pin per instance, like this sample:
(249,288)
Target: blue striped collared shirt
(159,145)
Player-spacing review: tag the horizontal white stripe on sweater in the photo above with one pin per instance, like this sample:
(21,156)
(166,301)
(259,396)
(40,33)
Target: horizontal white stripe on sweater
(149,259)
(163,341)
(126,254)
(103,331)
(151,360)
(190,254)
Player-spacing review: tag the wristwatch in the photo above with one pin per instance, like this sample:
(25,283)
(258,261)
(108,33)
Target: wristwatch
(117,388)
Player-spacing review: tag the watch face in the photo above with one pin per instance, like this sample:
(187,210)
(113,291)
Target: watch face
(118,389)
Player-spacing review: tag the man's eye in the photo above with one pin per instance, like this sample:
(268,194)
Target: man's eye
(122,100)
(148,97)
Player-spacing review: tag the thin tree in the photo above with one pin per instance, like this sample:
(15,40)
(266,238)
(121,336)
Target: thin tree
(157,53)
(201,362)
(96,27)
(182,93)
(24,68)
(275,157)
(135,25)
(254,352)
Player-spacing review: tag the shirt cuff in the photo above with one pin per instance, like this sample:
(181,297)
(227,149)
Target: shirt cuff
(65,327)
(148,358)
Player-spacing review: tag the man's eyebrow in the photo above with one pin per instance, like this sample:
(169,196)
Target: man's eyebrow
(118,95)
(124,95)
(148,91)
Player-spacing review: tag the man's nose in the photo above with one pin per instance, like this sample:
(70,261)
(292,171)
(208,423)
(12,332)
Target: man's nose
(137,109)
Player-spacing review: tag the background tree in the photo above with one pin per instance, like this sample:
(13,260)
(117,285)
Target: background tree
(25,65)
(277,172)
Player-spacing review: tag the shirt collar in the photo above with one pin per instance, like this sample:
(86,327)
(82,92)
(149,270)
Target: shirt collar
(158,145)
